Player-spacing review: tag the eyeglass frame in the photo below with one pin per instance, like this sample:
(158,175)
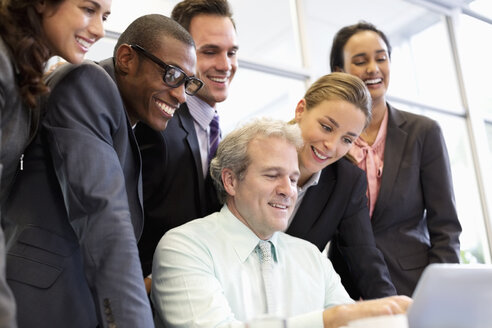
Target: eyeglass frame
(166,67)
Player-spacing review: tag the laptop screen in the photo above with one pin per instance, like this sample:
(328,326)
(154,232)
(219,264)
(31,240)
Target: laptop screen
(453,296)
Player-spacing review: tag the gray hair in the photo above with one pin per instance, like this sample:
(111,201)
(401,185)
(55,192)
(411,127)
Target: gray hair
(233,150)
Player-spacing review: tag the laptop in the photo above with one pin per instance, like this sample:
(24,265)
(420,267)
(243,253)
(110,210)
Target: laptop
(453,296)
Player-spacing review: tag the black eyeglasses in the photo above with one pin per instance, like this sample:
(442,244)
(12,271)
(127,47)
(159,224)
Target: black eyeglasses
(173,76)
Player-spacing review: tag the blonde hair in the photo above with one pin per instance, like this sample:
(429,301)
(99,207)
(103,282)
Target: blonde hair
(340,86)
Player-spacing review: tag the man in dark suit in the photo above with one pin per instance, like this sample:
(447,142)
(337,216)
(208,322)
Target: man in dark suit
(177,187)
(75,211)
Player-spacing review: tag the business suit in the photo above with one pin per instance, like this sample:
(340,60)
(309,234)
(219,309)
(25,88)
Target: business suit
(174,188)
(75,212)
(336,210)
(415,221)
(18,123)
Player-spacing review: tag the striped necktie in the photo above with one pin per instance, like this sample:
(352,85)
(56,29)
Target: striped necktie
(214,137)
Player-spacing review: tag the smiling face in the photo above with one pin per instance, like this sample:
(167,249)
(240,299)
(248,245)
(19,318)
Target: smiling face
(328,130)
(216,48)
(264,199)
(147,98)
(366,56)
(71,27)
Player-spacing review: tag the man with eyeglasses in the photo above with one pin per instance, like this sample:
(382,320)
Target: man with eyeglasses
(75,212)
(177,186)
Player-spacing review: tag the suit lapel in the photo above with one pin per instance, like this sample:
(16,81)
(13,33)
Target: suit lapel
(393,155)
(188,125)
(313,203)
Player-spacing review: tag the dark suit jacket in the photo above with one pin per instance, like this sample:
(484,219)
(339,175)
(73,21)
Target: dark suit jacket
(75,213)
(415,221)
(174,189)
(336,210)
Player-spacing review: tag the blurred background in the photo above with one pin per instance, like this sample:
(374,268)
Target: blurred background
(441,66)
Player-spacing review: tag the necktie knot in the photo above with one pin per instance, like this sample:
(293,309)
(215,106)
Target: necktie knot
(265,251)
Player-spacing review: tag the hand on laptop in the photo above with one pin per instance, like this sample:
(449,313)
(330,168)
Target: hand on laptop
(340,315)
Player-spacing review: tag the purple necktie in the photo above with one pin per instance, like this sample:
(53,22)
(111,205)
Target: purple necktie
(214,137)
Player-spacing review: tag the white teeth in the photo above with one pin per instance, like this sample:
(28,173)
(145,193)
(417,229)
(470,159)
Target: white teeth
(83,42)
(373,81)
(165,108)
(283,207)
(220,80)
(318,154)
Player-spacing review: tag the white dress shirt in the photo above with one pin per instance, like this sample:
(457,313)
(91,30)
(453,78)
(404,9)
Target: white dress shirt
(206,273)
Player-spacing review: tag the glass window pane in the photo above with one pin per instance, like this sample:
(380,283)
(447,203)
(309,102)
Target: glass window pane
(124,12)
(254,94)
(483,7)
(488,129)
(474,58)
(422,67)
(266,32)
(473,239)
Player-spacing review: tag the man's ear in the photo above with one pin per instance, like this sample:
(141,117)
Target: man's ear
(126,59)
(229,181)
(300,109)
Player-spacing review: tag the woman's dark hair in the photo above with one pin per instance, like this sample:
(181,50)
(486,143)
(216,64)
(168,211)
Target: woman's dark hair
(344,34)
(21,30)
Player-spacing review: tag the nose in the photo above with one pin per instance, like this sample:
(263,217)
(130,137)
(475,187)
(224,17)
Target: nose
(372,67)
(96,27)
(178,93)
(286,187)
(330,145)
(223,62)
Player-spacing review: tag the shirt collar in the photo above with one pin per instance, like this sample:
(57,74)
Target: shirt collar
(201,112)
(312,181)
(243,238)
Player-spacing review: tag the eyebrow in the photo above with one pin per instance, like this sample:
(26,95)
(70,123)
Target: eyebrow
(97,5)
(364,53)
(335,123)
(278,169)
(214,46)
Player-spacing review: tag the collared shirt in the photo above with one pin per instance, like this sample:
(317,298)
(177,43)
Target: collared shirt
(371,160)
(202,114)
(301,191)
(206,273)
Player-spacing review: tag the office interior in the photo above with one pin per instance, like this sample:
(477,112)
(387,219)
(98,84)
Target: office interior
(440,68)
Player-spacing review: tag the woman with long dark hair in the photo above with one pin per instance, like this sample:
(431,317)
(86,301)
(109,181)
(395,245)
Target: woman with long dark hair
(32,31)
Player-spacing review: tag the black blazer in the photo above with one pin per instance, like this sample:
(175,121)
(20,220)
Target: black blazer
(174,188)
(415,221)
(74,214)
(336,210)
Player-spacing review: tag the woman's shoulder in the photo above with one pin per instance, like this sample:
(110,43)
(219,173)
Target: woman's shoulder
(343,167)
(411,120)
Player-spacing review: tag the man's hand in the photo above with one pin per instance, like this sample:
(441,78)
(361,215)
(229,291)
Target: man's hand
(340,315)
